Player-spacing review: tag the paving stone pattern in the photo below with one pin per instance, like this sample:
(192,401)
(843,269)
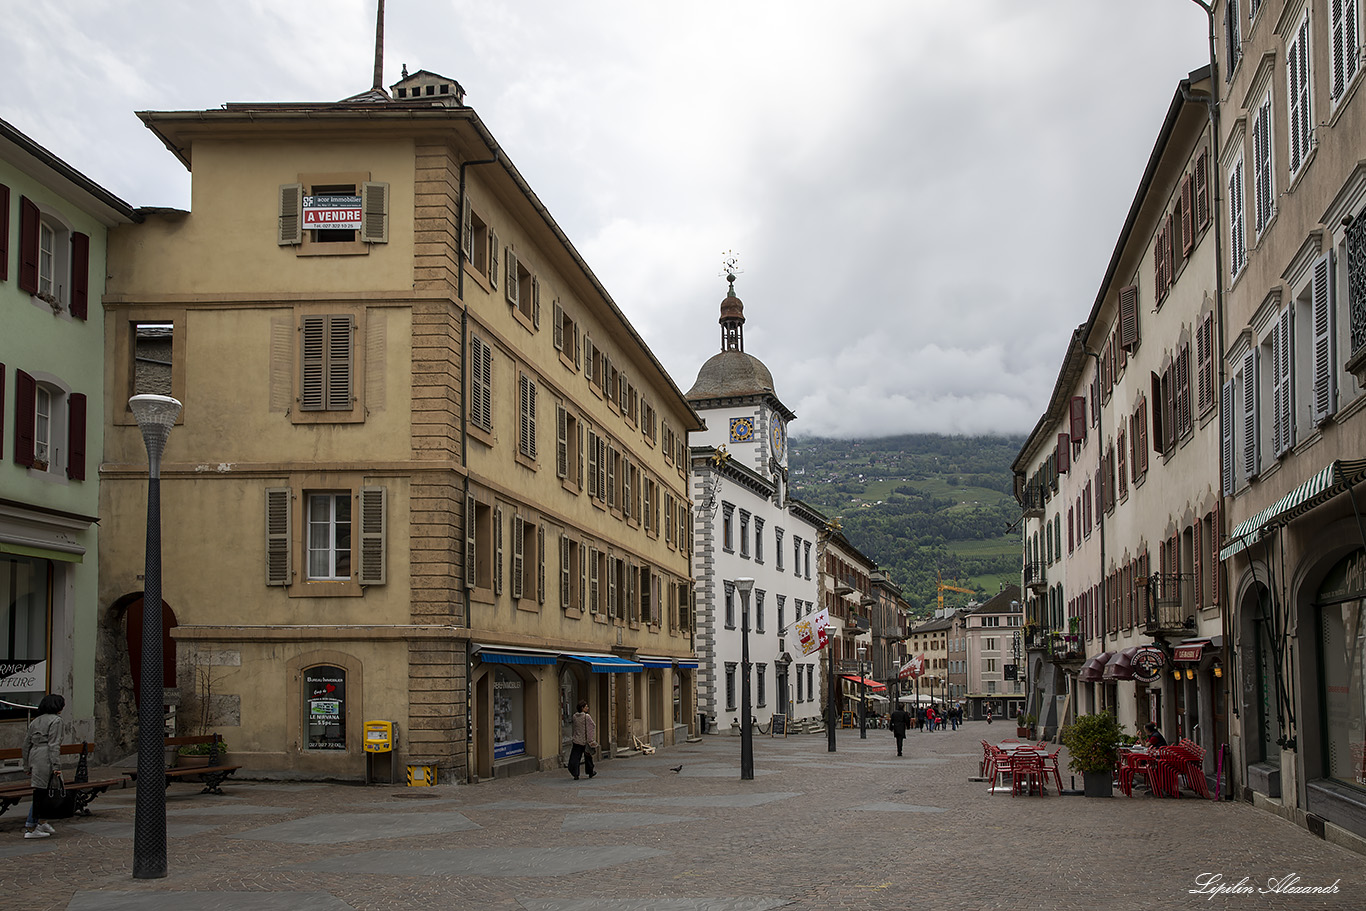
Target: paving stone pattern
(815,831)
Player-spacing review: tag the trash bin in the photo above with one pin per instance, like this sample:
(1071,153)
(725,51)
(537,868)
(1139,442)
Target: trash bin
(701,722)
(421,776)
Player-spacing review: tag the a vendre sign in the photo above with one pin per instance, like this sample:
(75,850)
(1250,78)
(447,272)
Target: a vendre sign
(340,213)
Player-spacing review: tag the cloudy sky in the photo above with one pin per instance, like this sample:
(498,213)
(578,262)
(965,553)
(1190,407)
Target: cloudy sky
(923,194)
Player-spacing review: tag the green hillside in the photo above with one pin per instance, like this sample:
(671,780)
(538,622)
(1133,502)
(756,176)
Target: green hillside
(919,505)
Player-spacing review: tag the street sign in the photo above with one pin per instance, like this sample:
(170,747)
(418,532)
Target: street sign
(849,667)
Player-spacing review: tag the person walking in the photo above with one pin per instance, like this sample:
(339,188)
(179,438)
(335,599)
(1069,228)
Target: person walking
(42,750)
(899,721)
(584,738)
(955,716)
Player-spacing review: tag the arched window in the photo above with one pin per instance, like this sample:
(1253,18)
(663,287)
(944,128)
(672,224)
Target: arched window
(324,708)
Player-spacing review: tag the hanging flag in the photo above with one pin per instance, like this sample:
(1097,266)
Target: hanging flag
(812,631)
(913,668)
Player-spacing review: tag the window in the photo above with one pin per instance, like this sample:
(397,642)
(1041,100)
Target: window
(481,384)
(730,686)
(761,684)
(54,260)
(1233,38)
(810,680)
(1345,57)
(568,446)
(758,540)
(330,214)
(796,556)
(526,407)
(326,354)
(806,551)
(1237,228)
(480,244)
(1282,375)
(522,289)
(730,606)
(744,534)
(800,697)
(571,596)
(758,610)
(1301,117)
(728,527)
(49,426)
(782,613)
(1263,178)
(325,711)
(329,536)
(778,546)
(566,336)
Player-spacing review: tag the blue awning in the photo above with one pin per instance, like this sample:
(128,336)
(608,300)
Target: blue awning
(686,665)
(654,662)
(607,664)
(506,654)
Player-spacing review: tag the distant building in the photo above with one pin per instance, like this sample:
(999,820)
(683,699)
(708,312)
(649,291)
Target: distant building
(987,644)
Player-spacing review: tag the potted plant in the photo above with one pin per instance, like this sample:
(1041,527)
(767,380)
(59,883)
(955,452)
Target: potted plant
(1024,726)
(197,754)
(1092,743)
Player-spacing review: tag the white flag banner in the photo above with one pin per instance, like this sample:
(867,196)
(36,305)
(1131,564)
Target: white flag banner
(812,631)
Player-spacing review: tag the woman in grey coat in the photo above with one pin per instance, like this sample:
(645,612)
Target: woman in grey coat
(42,751)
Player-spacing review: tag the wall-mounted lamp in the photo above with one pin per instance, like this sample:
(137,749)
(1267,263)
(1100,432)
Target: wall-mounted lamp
(1176,674)
(1218,670)
(1190,673)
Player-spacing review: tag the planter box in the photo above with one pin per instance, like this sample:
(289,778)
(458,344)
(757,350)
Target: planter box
(1098,784)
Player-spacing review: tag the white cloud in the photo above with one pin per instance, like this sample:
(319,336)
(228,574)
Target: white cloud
(924,195)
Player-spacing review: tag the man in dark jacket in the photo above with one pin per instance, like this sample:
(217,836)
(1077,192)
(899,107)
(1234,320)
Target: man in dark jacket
(900,720)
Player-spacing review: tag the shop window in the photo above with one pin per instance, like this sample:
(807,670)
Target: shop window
(325,708)
(509,714)
(27,585)
(1341,611)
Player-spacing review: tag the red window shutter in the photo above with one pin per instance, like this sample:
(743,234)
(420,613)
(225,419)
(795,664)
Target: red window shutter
(1202,189)
(1120,354)
(1078,419)
(1158,288)
(2,411)
(1128,316)
(1197,550)
(25,400)
(1168,266)
(1187,216)
(28,245)
(1064,453)
(4,232)
(75,413)
(1157,412)
(80,274)
(1169,406)
(1216,588)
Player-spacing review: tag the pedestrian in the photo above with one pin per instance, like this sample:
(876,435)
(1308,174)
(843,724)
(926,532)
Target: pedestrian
(988,714)
(1154,737)
(920,718)
(584,739)
(42,750)
(956,716)
(898,722)
(931,717)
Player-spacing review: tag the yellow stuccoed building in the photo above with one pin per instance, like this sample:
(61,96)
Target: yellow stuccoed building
(427,472)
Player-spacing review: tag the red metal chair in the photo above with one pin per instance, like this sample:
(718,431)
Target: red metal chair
(1026,770)
(1050,764)
(1193,768)
(1170,765)
(1134,764)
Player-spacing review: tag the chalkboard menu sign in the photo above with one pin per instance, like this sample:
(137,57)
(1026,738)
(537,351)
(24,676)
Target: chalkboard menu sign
(779,728)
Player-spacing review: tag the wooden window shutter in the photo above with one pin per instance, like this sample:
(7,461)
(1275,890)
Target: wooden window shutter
(1158,438)
(291,214)
(1324,319)
(2,411)
(511,287)
(372,535)
(586,594)
(4,233)
(1184,421)
(467,229)
(1122,456)
(611,477)
(565,572)
(1128,317)
(578,357)
(518,556)
(1202,189)
(1187,215)
(313,384)
(1121,353)
(561,442)
(1250,417)
(1159,290)
(278,568)
(80,275)
(1216,570)
(535,302)
(592,464)
(588,358)
(557,326)
(540,564)
(471,533)
(493,259)
(1198,557)
(615,608)
(1064,453)
(1227,421)
(485,365)
(340,349)
(602,468)
(1204,358)
(1285,379)
(498,550)
(25,401)
(579,467)
(1143,434)
(75,458)
(28,245)
(1077,419)
(374,204)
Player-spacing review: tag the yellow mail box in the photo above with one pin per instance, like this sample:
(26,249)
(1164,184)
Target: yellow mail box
(379,736)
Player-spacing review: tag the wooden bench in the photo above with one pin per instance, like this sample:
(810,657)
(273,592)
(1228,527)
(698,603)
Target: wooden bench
(81,789)
(212,774)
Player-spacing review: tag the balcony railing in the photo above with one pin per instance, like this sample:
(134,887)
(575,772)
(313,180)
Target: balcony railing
(1035,577)
(1166,604)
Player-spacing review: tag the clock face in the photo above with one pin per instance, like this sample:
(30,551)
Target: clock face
(741,430)
(777,432)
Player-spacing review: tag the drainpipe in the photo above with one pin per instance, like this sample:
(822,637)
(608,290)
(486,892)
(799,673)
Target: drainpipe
(1100,513)
(464,444)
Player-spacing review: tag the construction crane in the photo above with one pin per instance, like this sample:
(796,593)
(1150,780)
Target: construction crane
(941,586)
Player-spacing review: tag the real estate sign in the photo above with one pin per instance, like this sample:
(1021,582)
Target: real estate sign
(332,213)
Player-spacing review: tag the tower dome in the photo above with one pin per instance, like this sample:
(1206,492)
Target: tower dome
(732,372)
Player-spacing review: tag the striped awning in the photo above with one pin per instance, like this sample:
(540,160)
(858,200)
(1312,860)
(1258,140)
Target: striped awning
(607,664)
(509,654)
(649,661)
(1316,491)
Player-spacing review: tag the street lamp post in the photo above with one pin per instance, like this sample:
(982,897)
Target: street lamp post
(745,586)
(156,415)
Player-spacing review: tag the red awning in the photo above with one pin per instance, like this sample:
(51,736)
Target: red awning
(871,684)
(1093,668)
(1190,650)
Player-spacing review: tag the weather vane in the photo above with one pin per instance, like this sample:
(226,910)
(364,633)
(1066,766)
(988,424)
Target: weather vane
(731,263)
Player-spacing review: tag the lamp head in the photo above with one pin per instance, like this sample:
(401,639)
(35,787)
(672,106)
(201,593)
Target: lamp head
(745,585)
(156,415)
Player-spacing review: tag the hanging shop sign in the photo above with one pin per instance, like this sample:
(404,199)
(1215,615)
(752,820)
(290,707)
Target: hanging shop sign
(1147,663)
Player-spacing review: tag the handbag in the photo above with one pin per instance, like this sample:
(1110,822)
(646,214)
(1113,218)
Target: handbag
(56,788)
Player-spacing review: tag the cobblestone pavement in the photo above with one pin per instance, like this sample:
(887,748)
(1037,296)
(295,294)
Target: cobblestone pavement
(856,829)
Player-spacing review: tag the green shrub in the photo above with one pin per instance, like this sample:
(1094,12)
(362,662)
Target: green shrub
(1092,742)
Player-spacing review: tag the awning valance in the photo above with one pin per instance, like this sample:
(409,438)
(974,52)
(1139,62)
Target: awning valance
(871,684)
(649,661)
(607,664)
(1313,493)
(1094,667)
(687,665)
(509,654)
(42,553)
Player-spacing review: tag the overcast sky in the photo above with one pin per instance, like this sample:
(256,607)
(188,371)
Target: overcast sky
(923,194)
